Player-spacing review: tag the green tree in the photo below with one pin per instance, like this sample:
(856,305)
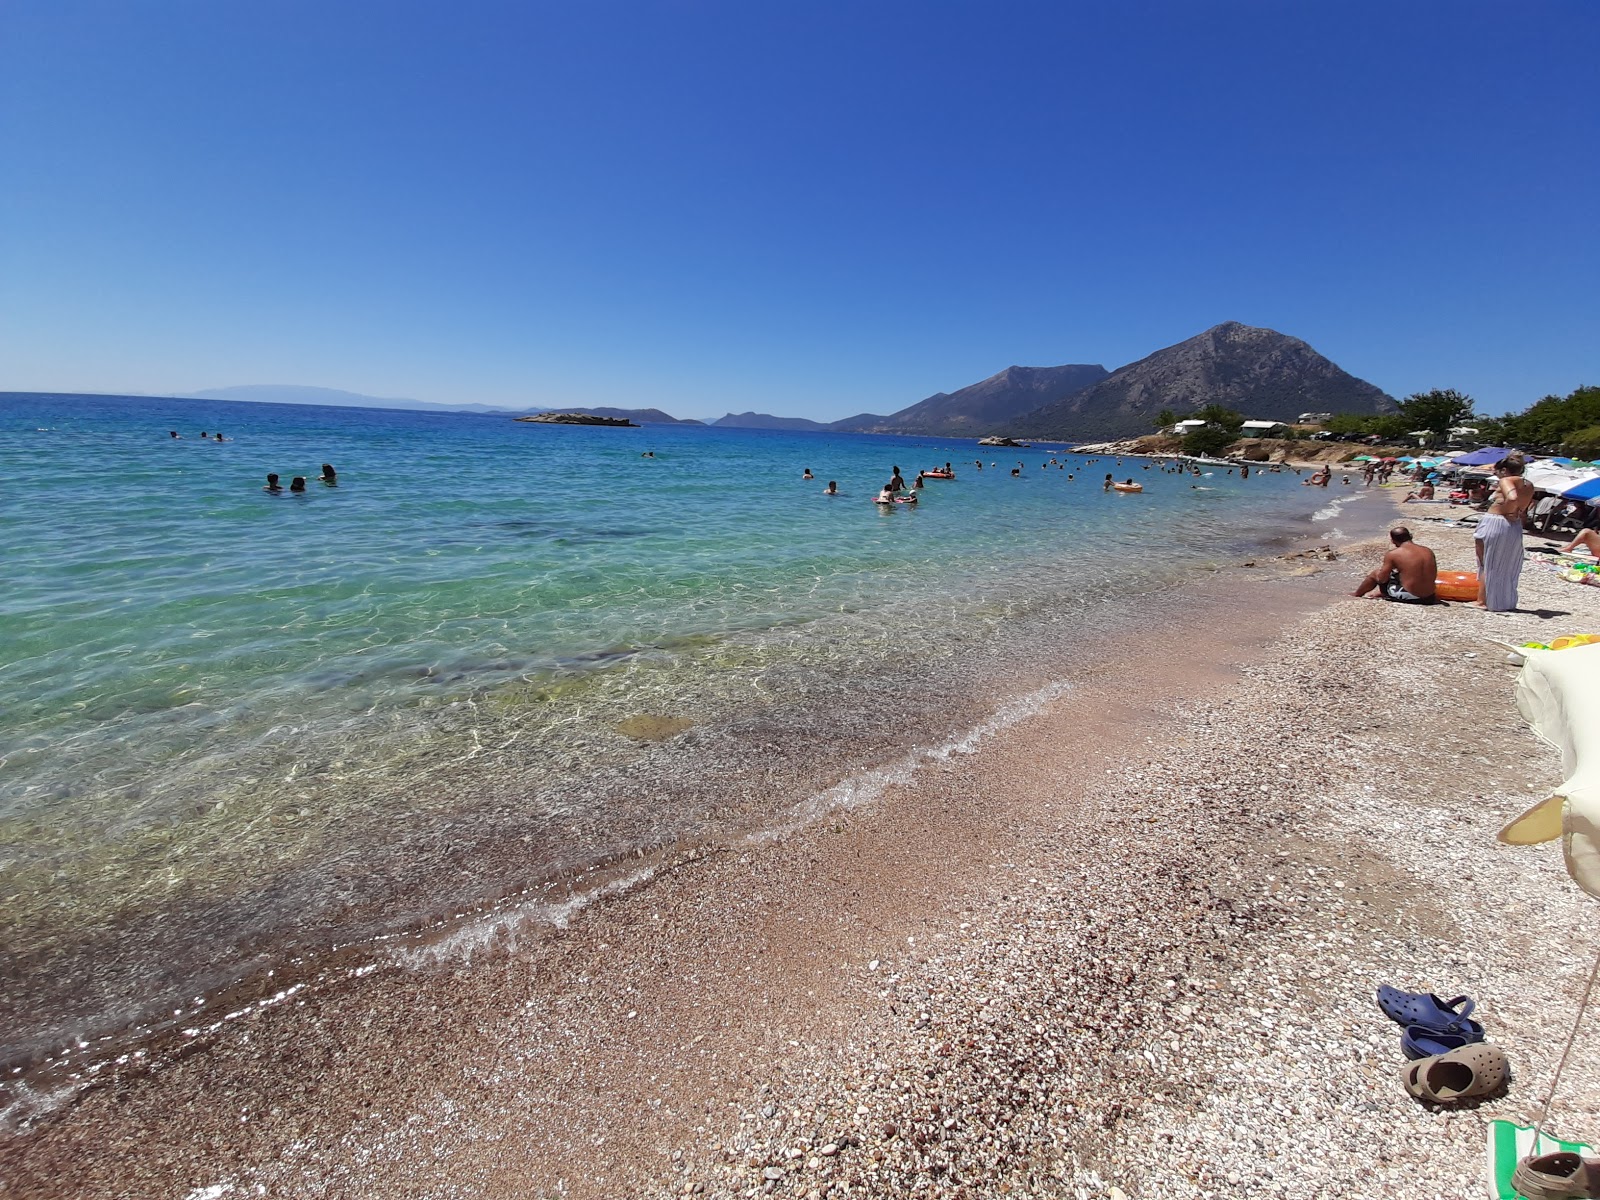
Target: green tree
(1552,420)
(1583,443)
(1166,417)
(1438,410)
(1223,418)
(1208,440)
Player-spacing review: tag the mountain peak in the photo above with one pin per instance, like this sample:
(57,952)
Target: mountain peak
(1260,372)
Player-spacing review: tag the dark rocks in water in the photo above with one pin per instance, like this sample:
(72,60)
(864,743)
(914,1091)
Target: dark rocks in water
(575,418)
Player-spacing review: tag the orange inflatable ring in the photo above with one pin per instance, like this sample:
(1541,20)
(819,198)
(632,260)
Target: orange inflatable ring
(1456,585)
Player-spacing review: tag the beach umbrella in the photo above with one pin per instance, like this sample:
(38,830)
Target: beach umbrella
(1363,458)
(1588,490)
(1546,476)
(1488,456)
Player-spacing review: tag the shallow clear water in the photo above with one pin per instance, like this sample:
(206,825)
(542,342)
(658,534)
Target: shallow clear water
(494,653)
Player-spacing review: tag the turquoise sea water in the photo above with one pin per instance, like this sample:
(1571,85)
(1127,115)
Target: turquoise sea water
(238,726)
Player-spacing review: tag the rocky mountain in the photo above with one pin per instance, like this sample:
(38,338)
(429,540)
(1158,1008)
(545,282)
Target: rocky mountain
(755,420)
(1261,373)
(984,407)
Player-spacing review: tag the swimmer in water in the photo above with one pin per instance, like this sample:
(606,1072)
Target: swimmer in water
(220,438)
(832,489)
(648,454)
(1108,483)
(273,485)
(329,476)
(172,433)
(808,474)
(297,484)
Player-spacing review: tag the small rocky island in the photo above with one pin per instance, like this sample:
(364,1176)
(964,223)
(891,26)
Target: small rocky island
(573,418)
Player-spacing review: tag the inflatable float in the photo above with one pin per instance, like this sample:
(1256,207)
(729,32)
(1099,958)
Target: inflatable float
(1558,695)
(1456,585)
(1127,487)
(938,474)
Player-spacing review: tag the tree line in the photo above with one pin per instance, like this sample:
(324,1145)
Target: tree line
(1565,424)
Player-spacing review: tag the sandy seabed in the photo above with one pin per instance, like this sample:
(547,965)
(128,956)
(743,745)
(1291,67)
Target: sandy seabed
(1128,945)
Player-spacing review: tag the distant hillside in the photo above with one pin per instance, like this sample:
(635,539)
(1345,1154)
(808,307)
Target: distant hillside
(983,407)
(288,393)
(1259,372)
(755,420)
(860,423)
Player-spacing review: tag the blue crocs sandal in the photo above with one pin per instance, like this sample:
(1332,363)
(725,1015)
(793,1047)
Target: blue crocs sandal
(1417,1042)
(1424,1010)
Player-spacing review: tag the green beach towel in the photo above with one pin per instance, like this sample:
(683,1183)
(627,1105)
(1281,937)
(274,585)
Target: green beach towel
(1508,1145)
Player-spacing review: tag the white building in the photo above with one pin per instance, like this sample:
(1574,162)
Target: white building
(1260,428)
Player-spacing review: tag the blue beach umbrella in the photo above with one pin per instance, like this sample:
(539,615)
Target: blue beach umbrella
(1481,458)
(1588,490)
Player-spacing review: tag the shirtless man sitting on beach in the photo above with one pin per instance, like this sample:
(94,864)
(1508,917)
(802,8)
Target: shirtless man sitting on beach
(1406,574)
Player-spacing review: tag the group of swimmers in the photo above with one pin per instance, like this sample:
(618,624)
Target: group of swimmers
(328,478)
(204,436)
(898,491)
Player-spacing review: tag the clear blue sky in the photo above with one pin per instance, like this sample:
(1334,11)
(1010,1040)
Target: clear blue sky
(807,208)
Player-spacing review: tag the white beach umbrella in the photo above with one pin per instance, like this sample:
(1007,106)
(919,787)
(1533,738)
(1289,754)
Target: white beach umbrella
(1558,694)
(1553,477)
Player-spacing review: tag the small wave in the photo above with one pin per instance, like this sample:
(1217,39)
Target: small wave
(868,786)
(1331,510)
(500,930)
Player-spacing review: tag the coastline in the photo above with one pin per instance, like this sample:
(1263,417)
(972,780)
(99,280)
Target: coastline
(987,945)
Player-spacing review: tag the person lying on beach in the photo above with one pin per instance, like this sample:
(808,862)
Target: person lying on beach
(1588,539)
(1406,574)
(1425,492)
(272,484)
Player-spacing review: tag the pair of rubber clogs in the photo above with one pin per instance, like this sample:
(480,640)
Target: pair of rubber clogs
(1563,1176)
(1450,1060)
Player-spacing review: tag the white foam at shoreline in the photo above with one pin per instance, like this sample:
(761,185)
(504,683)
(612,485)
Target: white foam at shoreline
(501,930)
(1331,510)
(869,786)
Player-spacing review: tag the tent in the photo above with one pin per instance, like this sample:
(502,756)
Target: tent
(1488,456)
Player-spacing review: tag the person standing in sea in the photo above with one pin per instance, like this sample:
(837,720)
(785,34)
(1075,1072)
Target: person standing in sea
(1498,538)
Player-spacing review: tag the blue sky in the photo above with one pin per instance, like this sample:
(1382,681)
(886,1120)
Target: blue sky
(813,209)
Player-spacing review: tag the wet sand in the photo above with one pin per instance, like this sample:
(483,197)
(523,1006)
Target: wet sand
(1050,966)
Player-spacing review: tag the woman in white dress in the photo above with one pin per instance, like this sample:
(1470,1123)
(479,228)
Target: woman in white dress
(1498,539)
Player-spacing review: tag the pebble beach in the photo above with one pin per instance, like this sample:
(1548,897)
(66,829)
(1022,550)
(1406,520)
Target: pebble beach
(1124,947)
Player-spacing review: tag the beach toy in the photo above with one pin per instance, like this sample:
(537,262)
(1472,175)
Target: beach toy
(1456,585)
(1129,487)
(1576,639)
